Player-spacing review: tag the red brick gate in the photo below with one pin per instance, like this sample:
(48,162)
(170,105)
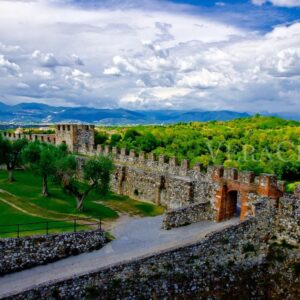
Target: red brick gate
(233,187)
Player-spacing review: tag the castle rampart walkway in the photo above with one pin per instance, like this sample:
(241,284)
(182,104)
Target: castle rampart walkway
(135,238)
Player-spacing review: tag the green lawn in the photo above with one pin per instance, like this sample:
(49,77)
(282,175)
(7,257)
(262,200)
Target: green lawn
(10,217)
(25,194)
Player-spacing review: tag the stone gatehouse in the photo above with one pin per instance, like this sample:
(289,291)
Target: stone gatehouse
(165,182)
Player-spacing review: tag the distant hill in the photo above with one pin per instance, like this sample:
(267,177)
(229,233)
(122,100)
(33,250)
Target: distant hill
(36,113)
(41,113)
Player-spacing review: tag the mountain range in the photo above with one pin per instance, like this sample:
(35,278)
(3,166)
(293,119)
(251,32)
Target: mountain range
(37,113)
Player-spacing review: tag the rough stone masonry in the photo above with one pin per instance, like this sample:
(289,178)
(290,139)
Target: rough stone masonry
(256,259)
(17,254)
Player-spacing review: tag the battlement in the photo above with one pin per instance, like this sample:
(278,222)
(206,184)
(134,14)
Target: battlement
(72,127)
(79,138)
(47,138)
(264,184)
(161,164)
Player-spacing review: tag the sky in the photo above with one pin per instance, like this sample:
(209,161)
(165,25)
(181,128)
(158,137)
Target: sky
(241,55)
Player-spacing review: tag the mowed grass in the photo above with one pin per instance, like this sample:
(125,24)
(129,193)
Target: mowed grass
(25,194)
(10,217)
(131,207)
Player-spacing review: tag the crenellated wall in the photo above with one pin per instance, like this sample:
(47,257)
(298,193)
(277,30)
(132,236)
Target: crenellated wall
(173,185)
(47,138)
(79,138)
(164,181)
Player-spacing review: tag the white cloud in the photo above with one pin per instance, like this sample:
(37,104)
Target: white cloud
(79,79)
(145,58)
(47,60)
(8,67)
(202,79)
(112,71)
(9,48)
(43,73)
(283,3)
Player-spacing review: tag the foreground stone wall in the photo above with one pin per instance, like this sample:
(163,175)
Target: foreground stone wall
(187,215)
(238,262)
(22,253)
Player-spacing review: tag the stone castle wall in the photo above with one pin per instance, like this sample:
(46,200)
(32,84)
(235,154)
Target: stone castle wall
(17,254)
(163,181)
(47,138)
(244,261)
(79,138)
(187,215)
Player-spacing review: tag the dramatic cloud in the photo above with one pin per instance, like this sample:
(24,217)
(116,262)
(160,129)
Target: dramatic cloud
(145,55)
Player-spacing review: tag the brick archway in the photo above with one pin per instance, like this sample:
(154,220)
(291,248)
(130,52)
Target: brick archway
(233,186)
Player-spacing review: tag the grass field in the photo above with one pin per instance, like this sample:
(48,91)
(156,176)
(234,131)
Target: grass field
(21,202)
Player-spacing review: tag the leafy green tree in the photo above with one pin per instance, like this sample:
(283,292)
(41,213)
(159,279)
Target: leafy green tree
(41,159)
(100,137)
(10,154)
(96,174)
(131,135)
(147,142)
(115,138)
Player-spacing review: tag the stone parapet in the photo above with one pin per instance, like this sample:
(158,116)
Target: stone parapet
(17,254)
(187,215)
(237,263)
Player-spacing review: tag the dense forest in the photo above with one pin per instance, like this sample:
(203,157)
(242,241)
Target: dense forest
(261,144)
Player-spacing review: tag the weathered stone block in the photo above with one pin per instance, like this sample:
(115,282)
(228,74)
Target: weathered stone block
(152,156)
(198,167)
(162,160)
(231,174)
(173,162)
(246,177)
(142,156)
(115,151)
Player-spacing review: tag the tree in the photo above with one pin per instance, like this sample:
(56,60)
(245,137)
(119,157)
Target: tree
(41,159)
(131,135)
(95,176)
(10,154)
(100,138)
(115,138)
(147,142)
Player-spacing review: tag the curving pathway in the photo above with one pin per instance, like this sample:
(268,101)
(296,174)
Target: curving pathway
(135,238)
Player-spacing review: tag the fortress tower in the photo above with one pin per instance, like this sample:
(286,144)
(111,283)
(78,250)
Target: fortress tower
(78,138)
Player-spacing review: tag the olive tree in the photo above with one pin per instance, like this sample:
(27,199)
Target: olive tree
(10,154)
(94,174)
(41,159)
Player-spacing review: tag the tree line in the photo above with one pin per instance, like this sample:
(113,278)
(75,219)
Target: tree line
(57,163)
(260,144)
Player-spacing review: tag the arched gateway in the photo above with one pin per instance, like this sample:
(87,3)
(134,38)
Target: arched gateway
(234,191)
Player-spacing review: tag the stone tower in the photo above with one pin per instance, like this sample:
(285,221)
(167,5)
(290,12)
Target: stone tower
(78,138)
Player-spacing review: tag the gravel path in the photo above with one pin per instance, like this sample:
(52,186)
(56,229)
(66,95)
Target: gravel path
(135,238)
